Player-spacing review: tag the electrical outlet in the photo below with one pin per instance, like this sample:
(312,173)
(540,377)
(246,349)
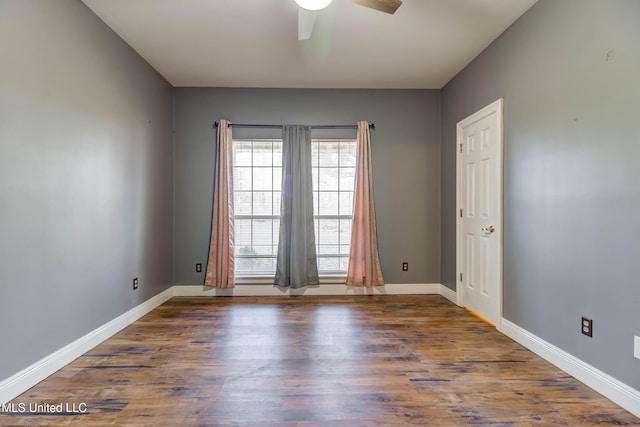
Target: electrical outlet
(405,266)
(198,268)
(135,283)
(636,347)
(587,327)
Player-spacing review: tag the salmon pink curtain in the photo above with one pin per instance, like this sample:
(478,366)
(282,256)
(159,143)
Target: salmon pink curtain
(364,262)
(220,266)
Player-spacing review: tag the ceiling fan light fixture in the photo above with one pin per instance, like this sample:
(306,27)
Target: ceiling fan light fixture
(313,4)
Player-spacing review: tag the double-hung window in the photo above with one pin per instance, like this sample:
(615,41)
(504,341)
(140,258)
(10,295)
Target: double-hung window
(257,181)
(334,166)
(257,176)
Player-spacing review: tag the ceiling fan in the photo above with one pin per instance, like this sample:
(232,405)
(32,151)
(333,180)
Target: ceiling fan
(308,9)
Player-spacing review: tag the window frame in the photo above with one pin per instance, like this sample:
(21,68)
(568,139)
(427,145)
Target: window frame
(326,276)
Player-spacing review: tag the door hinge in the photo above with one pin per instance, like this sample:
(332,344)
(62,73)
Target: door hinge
(461,145)
(460,213)
(461,277)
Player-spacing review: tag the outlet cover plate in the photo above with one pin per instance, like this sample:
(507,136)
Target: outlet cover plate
(636,347)
(587,327)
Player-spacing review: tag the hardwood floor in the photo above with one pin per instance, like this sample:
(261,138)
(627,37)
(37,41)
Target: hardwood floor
(314,361)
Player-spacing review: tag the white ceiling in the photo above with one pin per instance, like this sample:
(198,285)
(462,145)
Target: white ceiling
(253,43)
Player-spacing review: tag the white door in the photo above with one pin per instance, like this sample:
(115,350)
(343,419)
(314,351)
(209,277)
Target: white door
(479,231)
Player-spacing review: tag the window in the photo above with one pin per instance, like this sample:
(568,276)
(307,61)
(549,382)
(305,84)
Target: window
(257,175)
(334,166)
(257,180)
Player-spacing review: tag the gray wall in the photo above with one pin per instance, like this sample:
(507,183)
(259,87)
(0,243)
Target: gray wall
(406,161)
(85,178)
(571,189)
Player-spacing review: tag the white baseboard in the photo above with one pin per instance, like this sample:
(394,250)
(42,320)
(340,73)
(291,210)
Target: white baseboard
(449,294)
(270,290)
(611,388)
(32,375)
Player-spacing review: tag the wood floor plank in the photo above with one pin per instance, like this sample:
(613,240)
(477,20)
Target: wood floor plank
(314,361)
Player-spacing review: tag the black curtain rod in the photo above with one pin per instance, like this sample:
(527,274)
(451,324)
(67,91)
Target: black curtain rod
(372,126)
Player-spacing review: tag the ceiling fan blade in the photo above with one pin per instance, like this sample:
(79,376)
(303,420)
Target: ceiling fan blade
(386,6)
(306,21)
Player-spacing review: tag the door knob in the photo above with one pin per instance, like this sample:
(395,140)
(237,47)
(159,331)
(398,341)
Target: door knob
(489,229)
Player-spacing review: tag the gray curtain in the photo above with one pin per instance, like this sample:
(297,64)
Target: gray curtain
(296,266)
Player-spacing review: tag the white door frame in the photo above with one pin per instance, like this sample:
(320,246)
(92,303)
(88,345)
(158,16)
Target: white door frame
(494,107)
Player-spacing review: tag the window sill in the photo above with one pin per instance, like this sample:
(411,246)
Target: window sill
(268,280)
